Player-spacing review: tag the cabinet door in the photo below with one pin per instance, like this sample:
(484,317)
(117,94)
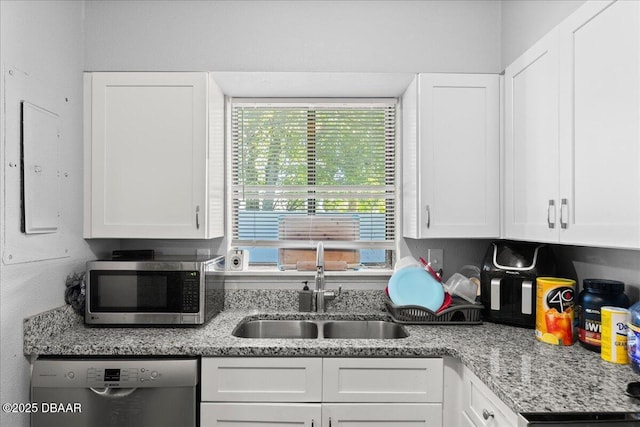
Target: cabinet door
(261,379)
(465,421)
(481,407)
(459,155)
(148,155)
(382,380)
(600,125)
(260,414)
(531,143)
(382,415)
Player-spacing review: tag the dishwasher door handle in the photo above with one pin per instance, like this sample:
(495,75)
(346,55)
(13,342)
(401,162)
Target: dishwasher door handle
(113,393)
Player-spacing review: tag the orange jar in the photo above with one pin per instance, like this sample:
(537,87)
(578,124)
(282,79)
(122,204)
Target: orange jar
(555,299)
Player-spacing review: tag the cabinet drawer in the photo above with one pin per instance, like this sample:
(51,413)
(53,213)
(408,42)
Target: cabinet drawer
(260,414)
(483,407)
(245,379)
(382,380)
(382,415)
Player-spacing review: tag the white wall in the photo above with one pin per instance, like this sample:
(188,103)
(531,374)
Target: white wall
(45,40)
(360,36)
(525,21)
(598,263)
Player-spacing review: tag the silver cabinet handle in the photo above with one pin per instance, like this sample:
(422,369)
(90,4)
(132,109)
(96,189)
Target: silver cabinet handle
(564,207)
(551,212)
(329,421)
(428,217)
(198,217)
(312,423)
(486,414)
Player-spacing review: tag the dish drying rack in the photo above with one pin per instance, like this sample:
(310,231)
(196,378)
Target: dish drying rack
(460,312)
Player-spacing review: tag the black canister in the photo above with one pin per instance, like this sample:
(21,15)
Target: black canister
(597,293)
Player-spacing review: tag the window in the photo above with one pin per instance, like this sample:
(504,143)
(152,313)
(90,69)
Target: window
(304,172)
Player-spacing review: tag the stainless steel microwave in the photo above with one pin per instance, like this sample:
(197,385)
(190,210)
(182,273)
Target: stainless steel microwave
(168,290)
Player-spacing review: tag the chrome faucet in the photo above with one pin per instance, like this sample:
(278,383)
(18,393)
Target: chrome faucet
(321,294)
(320,283)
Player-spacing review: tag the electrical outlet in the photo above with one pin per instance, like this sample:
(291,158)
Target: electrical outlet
(435,257)
(202,252)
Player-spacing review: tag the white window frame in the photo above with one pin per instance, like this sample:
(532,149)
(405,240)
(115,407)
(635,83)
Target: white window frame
(394,248)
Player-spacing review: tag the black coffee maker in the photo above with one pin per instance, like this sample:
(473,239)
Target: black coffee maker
(508,281)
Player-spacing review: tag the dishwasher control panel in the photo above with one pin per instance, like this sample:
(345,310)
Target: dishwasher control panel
(115,373)
(120,377)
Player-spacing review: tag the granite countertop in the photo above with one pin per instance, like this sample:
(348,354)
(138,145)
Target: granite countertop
(529,376)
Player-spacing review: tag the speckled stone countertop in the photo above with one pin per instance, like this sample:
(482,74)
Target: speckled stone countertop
(529,376)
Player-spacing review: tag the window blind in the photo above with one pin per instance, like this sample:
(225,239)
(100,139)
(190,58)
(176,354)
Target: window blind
(304,172)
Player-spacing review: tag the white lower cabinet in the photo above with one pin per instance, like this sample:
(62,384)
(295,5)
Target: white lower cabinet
(381,414)
(260,414)
(261,379)
(326,392)
(382,380)
(465,421)
(481,407)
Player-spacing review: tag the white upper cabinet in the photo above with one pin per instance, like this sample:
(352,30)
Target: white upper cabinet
(154,156)
(600,125)
(451,156)
(531,143)
(572,132)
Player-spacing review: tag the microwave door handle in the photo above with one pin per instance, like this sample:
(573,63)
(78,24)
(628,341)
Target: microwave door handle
(113,393)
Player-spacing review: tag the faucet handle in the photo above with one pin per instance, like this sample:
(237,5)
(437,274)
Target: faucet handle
(333,294)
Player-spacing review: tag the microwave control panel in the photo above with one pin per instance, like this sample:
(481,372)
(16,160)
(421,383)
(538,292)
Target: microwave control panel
(191,293)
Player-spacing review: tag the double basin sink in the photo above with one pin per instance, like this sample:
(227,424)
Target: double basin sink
(320,329)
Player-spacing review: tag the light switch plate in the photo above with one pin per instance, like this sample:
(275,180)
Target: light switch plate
(435,257)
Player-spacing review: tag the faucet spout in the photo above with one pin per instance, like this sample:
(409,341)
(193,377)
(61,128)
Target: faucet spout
(320,277)
(320,255)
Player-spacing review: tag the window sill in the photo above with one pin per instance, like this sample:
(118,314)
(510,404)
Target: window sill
(274,271)
(273,278)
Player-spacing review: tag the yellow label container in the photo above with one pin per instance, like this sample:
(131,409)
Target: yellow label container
(555,299)
(614,334)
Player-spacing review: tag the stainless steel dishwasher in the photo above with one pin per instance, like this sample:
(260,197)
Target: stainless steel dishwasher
(114,392)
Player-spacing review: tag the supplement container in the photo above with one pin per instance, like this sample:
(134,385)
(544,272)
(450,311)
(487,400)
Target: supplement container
(614,334)
(595,294)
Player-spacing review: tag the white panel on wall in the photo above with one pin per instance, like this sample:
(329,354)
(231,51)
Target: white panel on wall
(18,246)
(41,189)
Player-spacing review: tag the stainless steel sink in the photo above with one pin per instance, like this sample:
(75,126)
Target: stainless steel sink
(329,329)
(276,329)
(363,329)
